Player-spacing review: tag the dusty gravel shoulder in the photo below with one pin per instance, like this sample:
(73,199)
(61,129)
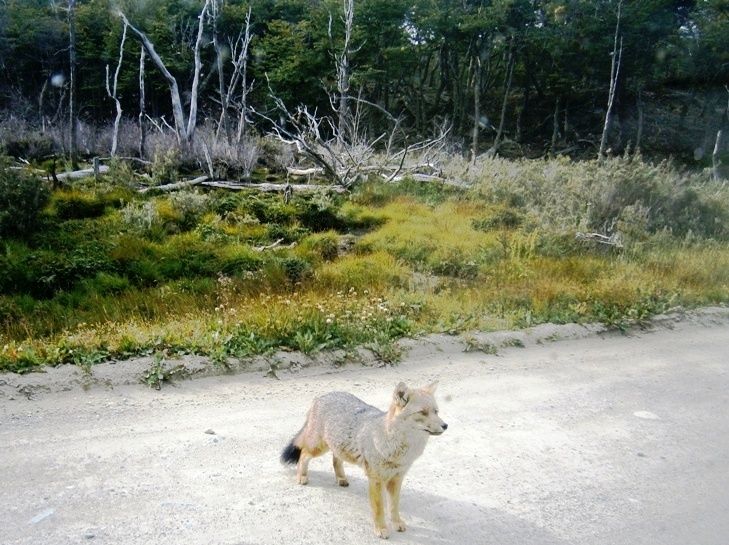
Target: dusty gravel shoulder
(108,375)
(597,439)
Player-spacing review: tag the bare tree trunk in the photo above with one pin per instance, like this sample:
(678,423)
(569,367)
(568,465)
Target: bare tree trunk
(715,157)
(614,73)
(555,128)
(72,107)
(112,92)
(476,109)
(718,171)
(241,72)
(641,117)
(184,131)
(142,113)
(192,117)
(343,75)
(509,73)
(522,113)
(41,100)
(224,122)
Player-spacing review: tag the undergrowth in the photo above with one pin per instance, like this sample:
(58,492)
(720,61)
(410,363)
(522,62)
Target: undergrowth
(109,274)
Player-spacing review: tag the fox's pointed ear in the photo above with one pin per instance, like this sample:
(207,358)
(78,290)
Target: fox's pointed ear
(430,388)
(401,395)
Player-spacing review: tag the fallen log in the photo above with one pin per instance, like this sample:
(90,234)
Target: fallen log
(614,240)
(272,188)
(78,174)
(304,171)
(277,244)
(175,186)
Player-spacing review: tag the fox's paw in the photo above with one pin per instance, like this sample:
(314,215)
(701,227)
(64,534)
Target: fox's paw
(303,479)
(342,482)
(382,532)
(399,525)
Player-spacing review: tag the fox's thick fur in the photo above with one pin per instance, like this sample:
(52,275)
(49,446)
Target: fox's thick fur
(385,444)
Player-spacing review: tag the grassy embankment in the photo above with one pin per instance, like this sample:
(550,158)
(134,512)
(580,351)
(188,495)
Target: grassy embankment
(107,273)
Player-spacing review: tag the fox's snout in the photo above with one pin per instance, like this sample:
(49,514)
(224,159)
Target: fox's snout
(438,428)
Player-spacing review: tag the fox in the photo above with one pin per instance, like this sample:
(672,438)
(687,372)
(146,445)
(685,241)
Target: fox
(384,444)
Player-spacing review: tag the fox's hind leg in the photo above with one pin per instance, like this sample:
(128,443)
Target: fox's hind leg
(339,471)
(307,453)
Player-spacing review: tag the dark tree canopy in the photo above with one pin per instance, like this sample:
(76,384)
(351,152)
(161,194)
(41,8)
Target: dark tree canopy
(422,60)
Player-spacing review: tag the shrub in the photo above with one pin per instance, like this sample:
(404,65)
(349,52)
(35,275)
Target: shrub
(500,217)
(19,139)
(140,217)
(319,216)
(166,166)
(22,197)
(190,206)
(239,260)
(323,245)
(75,204)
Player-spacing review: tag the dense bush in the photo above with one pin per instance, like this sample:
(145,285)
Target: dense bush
(74,204)
(22,197)
(641,197)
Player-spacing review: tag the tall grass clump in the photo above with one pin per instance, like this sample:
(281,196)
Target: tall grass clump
(626,195)
(110,273)
(22,197)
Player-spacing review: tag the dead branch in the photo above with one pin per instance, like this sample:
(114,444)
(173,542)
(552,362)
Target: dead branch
(175,186)
(613,240)
(183,130)
(304,171)
(276,244)
(111,91)
(79,174)
(274,188)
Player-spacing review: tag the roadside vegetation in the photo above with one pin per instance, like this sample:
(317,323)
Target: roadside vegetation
(96,271)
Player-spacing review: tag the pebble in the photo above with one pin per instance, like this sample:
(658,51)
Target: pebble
(210,431)
(42,516)
(647,415)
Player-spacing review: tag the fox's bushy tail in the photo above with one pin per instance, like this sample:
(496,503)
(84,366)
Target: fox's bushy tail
(291,453)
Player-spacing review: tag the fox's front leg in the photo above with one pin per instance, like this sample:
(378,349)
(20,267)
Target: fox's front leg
(378,509)
(393,488)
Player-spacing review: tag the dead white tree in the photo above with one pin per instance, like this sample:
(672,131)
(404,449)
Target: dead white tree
(476,108)
(111,91)
(617,56)
(142,112)
(343,71)
(316,138)
(219,54)
(231,99)
(72,106)
(716,163)
(184,125)
(510,62)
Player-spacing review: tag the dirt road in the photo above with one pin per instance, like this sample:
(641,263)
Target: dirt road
(601,440)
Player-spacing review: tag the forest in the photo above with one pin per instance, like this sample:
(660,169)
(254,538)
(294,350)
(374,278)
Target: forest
(235,179)
(528,76)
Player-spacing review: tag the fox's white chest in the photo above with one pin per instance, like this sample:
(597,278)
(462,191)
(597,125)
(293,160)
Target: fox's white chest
(393,454)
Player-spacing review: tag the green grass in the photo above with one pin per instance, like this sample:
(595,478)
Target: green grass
(110,274)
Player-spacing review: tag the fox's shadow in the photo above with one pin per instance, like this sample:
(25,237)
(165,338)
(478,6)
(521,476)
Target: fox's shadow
(434,519)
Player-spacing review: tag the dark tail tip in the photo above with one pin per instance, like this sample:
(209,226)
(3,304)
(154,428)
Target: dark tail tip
(290,454)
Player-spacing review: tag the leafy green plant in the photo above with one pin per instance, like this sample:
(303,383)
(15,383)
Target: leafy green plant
(22,197)
(76,204)
(158,373)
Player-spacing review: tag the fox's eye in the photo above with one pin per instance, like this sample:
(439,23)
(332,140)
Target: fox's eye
(424,412)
